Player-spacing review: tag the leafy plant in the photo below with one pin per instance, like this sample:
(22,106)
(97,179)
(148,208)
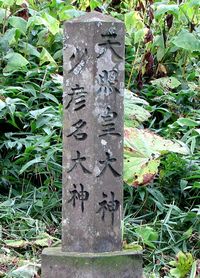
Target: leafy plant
(161,129)
(182,265)
(142,152)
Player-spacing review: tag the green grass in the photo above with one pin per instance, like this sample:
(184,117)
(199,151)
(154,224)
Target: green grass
(162,72)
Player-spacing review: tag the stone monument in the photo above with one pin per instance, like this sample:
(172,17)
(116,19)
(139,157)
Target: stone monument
(92,155)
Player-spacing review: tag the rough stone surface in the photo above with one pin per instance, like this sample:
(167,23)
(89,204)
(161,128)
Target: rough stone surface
(121,264)
(93,134)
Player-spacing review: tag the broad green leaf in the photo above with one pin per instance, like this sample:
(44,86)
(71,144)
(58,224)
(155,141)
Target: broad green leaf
(3,13)
(133,22)
(45,120)
(163,9)
(45,57)
(51,23)
(134,114)
(7,3)
(50,96)
(175,272)
(187,122)
(193,3)
(188,233)
(189,8)
(44,38)
(34,21)
(30,163)
(141,156)
(26,271)
(187,41)
(153,142)
(147,234)
(167,82)
(84,4)
(129,22)
(57,78)
(36,113)
(159,42)
(68,13)
(15,62)
(44,240)
(95,3)
(137,100)
(139,35)
(19,23)
(9,38)
(139,171)
(2,104)
(29,49)
(16,101)
(16,243)
(7,203)
(58,54)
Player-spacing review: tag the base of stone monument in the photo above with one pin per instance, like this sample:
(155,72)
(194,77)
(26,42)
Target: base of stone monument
(119,264)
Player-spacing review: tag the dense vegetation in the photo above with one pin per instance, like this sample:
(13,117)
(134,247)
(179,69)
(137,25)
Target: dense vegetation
(162,116)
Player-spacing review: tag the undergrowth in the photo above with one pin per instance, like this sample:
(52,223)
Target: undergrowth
(162,77)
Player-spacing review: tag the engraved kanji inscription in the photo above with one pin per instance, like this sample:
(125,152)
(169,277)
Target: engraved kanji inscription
(108,206)
(107,164)
(78,60)
(107,81)
(108,123)
(110,43)
(77,98)
(78,160)
(76,196)
(77,132)
(93,115)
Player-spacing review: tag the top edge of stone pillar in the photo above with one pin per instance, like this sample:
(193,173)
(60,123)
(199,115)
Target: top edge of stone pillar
(93,17)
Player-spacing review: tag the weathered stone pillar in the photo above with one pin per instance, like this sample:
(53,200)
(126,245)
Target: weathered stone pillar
(92,154)
(93,134)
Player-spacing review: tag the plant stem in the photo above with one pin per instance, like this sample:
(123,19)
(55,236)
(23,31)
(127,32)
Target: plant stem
(133,65)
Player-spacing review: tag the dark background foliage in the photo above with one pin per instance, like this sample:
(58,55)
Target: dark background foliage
(162,70)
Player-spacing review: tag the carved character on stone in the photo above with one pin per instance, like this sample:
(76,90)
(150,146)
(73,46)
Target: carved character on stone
(78,160)
(77,133)
(110,43)
(107,81)
(77,98)
(108,123)
(81,196)
(78,60)
(107,164)
(110,206)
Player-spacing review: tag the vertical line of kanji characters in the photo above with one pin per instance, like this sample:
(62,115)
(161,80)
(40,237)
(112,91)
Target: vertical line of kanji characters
(108,84)
(77,99)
